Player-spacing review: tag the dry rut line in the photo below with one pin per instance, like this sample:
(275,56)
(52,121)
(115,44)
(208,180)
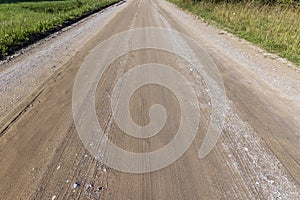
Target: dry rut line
(19,114)
(26,104)
(52,165)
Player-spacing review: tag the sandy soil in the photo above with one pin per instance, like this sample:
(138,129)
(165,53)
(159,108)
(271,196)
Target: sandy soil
(256,157)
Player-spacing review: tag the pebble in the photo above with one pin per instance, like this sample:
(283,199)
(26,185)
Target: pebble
(54,197)
(76,185)
(270,55)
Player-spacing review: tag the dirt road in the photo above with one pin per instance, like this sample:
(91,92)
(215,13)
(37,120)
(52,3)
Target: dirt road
(256,157)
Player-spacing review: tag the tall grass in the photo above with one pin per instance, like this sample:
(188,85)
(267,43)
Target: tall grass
(20,20)
(275,27)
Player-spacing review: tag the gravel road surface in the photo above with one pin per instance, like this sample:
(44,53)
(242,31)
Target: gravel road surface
(257,155)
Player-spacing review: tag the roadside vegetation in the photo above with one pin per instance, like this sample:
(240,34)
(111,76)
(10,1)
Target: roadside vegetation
(271,24)
(24,21)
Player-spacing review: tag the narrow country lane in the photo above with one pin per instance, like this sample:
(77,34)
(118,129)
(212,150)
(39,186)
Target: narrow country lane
(257,155)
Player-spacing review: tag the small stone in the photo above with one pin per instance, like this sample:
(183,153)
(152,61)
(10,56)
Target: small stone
(270,55)
(99,188)
(76,185)
(270,177)
(58,167)
(246,149)
(104,170)
(89,186)
(54,197)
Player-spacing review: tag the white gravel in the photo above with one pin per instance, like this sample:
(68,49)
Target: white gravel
(254,162)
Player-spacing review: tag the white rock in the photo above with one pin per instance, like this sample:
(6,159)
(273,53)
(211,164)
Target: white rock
(76,185)
(104,170)
(54,197)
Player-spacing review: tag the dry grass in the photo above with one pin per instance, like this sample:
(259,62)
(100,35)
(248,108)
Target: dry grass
(275,28)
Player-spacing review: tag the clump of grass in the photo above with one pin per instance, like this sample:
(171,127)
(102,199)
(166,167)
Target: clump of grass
(275,27)
(21,20)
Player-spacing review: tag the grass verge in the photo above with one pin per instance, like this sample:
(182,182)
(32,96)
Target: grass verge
(275,28)
(23,22)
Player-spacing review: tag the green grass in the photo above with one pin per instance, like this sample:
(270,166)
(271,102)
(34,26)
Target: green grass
(275,28)
(20,20)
